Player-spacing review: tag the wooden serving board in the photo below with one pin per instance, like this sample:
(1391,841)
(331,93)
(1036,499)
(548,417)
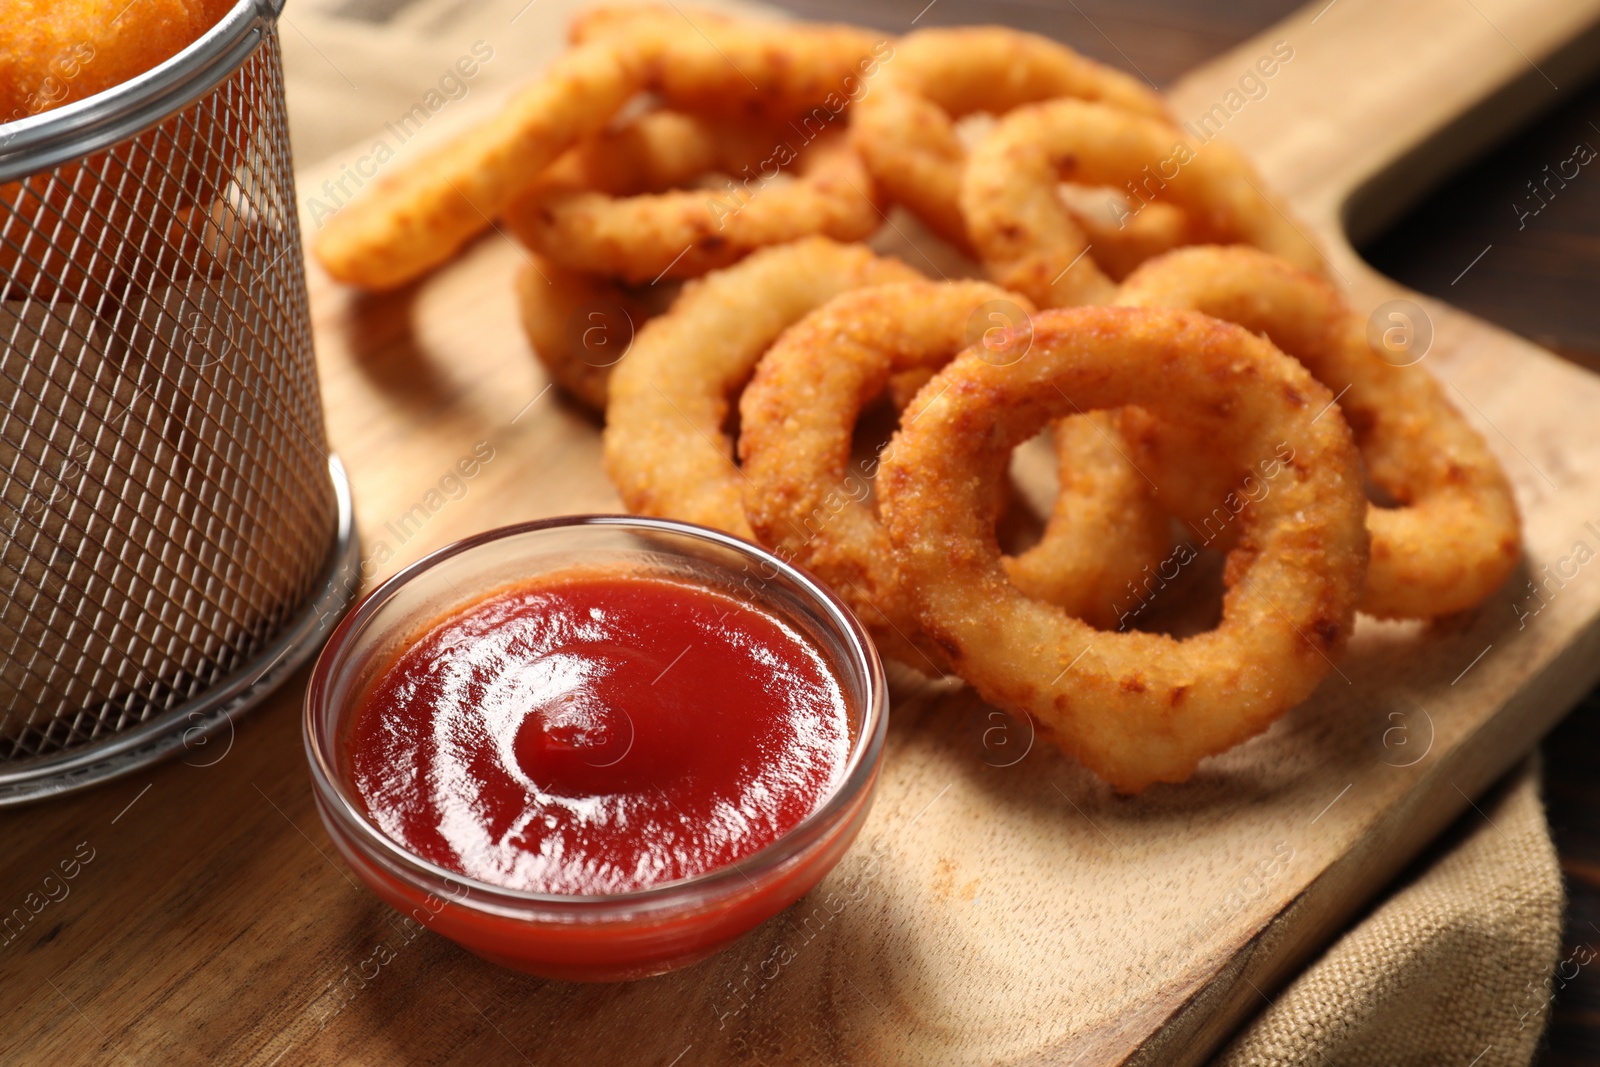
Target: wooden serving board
(1002,905)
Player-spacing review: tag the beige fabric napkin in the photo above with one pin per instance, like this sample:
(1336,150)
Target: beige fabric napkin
(1455,964)
(1453,968)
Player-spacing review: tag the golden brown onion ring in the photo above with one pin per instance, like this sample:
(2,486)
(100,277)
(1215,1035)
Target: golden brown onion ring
(581,326)
(416,218)
(712,64)
(805,498)
(1029,240)
(652,151)
(1453,539)
(1135,708)
(579,322)
(905,125)
(666,446)
(683,233)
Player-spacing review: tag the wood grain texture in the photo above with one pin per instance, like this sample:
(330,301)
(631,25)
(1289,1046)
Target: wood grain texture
(994,911)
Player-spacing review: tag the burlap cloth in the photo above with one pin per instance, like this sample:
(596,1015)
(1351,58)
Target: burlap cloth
(1454,967)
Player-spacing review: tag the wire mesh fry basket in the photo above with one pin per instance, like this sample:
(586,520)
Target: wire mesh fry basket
(175,538)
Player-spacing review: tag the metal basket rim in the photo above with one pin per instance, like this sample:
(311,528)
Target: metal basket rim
(83,127)
(301,637)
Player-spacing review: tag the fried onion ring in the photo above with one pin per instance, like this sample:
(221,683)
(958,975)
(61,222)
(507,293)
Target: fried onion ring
(1135,708)
(684,233)
(905,127)
(580,323)
(1105,528)
(655,150)
(1453,539)
(805,498)
(581,326)
(1029,240)
(666,448)
(706,62)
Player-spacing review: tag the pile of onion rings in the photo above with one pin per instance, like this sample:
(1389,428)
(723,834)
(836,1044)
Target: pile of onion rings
(417,218)
(690,270)
(804,497)
(1136,708)
(906,127)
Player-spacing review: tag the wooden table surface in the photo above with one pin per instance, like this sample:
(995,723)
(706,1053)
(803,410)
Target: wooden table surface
(1537,275)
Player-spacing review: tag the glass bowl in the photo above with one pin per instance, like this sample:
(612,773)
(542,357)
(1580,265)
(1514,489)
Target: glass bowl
(600,937)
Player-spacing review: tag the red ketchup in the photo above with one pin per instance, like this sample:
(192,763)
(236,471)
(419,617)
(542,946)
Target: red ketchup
(599,732)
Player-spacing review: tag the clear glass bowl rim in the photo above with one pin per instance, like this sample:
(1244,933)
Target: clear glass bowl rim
(865,753)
